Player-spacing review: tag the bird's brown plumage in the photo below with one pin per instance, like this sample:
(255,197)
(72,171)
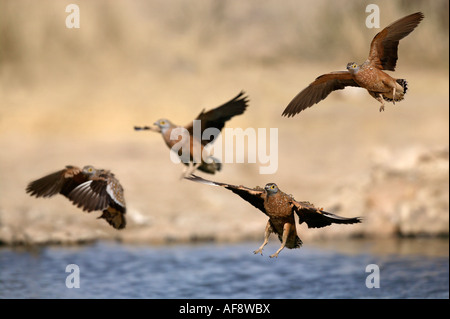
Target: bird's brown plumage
(319,90)
(88,188)
(214,118)
(280,208)
(383,55)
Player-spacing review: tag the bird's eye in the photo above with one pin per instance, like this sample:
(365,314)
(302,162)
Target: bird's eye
(272,187)
(162,122)
(354,66)
(90,169)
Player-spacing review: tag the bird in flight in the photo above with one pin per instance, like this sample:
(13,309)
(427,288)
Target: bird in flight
(369,75)
(89,188)
(280,208)
(190,146)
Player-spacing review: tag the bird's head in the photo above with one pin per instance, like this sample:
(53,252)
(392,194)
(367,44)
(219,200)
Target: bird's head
(163,124)
(352,67)
(89,170)
(271,188)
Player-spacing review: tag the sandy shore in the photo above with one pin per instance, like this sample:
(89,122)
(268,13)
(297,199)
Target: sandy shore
(390,168)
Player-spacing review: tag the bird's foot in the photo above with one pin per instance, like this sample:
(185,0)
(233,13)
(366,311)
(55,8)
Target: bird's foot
(258,251)
(274,255)
(382,108)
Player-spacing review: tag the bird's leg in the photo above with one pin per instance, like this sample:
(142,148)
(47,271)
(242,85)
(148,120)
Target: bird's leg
(379,98)
(185,169)
(190,169)
(393,95)
(286,231)
(267,232)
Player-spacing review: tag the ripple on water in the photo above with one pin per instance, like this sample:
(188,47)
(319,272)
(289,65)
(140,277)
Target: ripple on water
(109,270)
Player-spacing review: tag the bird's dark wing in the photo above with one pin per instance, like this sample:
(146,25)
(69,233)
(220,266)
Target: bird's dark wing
(217,117)
(63,181)
(254,196)
(91,195)
(102,193)
(317,218)
(319,90)
(384,46)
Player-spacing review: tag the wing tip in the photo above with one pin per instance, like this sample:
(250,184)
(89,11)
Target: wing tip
(201,180)
(289,114)
(242,97)
(342,220)
(420,15)
(291,111)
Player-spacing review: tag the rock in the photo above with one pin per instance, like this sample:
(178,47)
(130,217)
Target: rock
(404,194)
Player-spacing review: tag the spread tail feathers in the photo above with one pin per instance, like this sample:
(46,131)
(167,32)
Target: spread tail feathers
(399,96)
(114,217)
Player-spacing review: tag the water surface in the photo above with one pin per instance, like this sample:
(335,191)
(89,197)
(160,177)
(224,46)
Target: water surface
(330,270)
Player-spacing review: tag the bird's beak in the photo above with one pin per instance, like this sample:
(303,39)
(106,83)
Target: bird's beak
(147,128)
(157,128)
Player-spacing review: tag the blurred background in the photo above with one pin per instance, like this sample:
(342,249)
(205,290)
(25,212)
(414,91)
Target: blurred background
(72,96)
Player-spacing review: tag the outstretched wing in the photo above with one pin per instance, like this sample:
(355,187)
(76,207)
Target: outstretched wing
(63,181)
(317,218)
(384,46)
(319,90)
(91,195)
(217,117)
(102,193)
(254,196)
(98,194)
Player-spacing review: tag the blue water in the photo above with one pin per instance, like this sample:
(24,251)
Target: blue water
(114,270)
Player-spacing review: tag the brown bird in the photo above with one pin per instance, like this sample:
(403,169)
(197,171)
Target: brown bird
(189,141)
(88,188)
(280,208)
(369,75)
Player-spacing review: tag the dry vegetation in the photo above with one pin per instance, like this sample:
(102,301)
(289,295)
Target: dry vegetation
(72,96)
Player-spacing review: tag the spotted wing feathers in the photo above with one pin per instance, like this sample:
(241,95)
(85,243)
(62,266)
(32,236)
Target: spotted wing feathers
(90,193)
